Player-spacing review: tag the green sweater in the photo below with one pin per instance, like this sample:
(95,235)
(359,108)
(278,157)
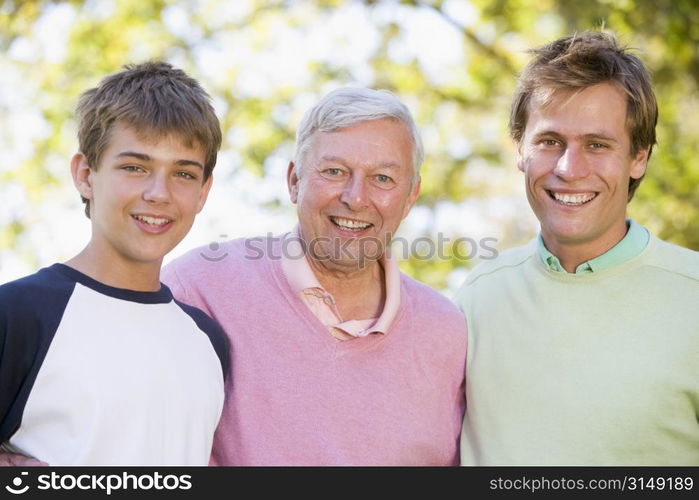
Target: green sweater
(583,369)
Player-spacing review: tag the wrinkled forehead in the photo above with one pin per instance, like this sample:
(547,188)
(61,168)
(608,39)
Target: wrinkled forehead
(385,140)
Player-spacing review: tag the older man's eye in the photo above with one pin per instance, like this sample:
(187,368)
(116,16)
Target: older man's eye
(383,178)
(333,172)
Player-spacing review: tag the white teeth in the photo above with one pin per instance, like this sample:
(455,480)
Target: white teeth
(153,221)
(352,225)
(573,199)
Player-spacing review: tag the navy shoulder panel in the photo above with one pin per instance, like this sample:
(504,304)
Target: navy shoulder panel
(218,338)
(31,309)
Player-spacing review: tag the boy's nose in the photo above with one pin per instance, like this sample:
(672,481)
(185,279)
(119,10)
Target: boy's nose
(158,189)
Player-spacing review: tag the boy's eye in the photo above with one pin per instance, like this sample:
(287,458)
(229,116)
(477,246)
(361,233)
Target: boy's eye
(133,168)
(550,142)
(597,145)
(185,175)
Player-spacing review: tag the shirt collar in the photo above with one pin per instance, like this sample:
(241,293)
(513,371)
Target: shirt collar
(629,247)
(301,277)
(296,268)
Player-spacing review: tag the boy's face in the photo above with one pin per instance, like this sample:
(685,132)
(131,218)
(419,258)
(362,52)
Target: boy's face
(143,196)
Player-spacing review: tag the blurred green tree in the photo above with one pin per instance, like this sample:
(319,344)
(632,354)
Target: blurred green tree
(454,62)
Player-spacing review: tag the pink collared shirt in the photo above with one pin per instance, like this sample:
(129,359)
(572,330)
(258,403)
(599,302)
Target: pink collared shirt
(298,396)
(303,281)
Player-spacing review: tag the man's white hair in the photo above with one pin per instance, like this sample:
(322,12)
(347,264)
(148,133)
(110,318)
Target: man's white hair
(349,106)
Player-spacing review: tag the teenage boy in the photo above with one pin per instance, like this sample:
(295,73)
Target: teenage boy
(98,364)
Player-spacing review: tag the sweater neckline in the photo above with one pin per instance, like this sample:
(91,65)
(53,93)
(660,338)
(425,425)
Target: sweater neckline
(276,273)
(624,267)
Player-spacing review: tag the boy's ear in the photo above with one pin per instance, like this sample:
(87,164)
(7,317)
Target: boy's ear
(204,193)
(81,172)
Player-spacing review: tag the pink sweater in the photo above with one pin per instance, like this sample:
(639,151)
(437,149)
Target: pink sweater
(298,396)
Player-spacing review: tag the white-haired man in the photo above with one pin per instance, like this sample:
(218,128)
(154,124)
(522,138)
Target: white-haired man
(338,358)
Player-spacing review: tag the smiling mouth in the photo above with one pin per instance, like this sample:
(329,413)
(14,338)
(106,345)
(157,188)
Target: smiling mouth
(152,221)
(572,200)
(349,224)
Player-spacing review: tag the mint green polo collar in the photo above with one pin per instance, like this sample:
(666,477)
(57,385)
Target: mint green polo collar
(629,247)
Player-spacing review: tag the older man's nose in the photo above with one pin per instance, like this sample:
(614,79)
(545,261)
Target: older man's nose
(354,194)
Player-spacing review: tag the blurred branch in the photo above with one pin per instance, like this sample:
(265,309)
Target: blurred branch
(470,35)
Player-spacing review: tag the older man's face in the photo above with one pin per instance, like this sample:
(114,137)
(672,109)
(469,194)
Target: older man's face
(353,189)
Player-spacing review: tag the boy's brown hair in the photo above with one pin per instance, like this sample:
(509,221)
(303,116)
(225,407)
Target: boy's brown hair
(155,99)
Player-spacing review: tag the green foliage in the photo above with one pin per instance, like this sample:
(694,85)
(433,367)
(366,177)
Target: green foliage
(461,104)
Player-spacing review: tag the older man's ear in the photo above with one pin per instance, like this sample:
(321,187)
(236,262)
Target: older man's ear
(412,197)
(292,182)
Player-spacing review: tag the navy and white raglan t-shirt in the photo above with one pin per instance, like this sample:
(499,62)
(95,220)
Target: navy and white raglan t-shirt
(96,375)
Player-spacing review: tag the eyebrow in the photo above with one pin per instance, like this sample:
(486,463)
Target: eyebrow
(601,136)
(145,157)
(592,136)
(342,161)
